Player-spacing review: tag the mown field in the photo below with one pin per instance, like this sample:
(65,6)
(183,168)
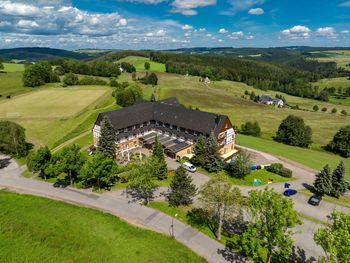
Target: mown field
(139,63)
(13,67)
(28,236)
(341,57)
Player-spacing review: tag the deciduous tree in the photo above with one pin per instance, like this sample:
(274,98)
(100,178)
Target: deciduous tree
(242,164)
(40,160)
(221,200)
(334,238)
(147,65)
(99,170)
(13,139)
(272,218)
(341,142)
(293,131)
(70,160)
(182,190)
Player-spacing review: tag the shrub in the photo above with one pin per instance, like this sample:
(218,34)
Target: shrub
(315,108)
(344,113)
(324,109)
(279,169)
(70,79)
(341,142)
(250,128)
(334,110)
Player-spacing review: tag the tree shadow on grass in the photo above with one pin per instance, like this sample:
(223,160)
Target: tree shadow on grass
(299,256)
(309,187)
(5,162)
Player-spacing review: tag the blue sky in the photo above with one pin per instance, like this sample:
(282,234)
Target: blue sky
(165,24)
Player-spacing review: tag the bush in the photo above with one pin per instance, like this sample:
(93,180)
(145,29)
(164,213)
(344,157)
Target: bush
(344,113)
(334,110)
(279,169)
(324,109)
(250,128)
(70,79)
(91,81)
(315,108)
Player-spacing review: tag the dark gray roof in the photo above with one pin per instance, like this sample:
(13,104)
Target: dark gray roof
(166,111)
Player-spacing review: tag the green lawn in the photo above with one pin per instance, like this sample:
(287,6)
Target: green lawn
(52,116)
(35,229)
(13,67)
(343,82)
(139,63)
(341,57)
(311,158)
(182,215)
(262,175)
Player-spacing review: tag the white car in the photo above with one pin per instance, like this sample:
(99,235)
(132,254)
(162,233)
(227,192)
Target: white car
(189,167)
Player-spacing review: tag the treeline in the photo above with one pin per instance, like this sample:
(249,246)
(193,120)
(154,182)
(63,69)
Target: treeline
(92,68)
(258,74)
(322,69)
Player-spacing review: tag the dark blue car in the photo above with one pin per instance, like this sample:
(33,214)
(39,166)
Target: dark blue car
(289,192)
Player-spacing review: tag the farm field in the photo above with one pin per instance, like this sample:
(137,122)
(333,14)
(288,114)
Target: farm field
(28,236)
(139,63)
(343,82)
(341,57)
(51,114)
(12,67)
(225,97)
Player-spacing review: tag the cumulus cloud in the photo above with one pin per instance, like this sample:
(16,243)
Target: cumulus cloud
(187,7)
(345,31)
(27,24)
(18,9)
(236,35)
(202,30)
(151,2)
(241,5)
(296,32)
(222,31)
(328,32)
(256,11)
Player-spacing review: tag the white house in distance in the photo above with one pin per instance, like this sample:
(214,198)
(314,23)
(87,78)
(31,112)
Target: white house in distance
(268,100)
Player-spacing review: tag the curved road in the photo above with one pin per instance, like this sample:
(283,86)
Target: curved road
(121,206)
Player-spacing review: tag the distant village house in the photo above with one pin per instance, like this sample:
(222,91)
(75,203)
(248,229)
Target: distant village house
(268,100)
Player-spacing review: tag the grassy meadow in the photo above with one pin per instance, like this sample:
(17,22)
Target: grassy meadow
(139,63)
(13,67)
(28,236)
(341,57)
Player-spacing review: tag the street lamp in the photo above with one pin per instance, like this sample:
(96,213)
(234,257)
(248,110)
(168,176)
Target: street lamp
(172,226)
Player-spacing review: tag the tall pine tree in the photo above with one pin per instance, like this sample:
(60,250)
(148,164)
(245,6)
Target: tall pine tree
(106,143)
(212,159)
(339,185)
(323,181)
(199,152)
(182,190)
(158,163)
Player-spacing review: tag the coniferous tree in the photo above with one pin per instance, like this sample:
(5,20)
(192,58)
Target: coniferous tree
(212,159)
(106,142)
(182,190)
(339,185)
(158,163)
(323,181)
(199,152)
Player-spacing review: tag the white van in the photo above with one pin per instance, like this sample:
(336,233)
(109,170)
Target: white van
(189,167)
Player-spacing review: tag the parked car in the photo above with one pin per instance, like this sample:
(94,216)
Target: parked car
(189,167)
(290,192)
(59,185)
(315,200)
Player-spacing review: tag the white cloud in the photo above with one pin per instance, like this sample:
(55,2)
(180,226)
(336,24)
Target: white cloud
(250,37)
(297,32)
(241,5)
(345,31)
(187,27)
(222,31)
(27,24)
(202,30)
(187,7)
(256,11)
(122,22)
(328,32)
(236,35)
(18,9)
(220,40)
